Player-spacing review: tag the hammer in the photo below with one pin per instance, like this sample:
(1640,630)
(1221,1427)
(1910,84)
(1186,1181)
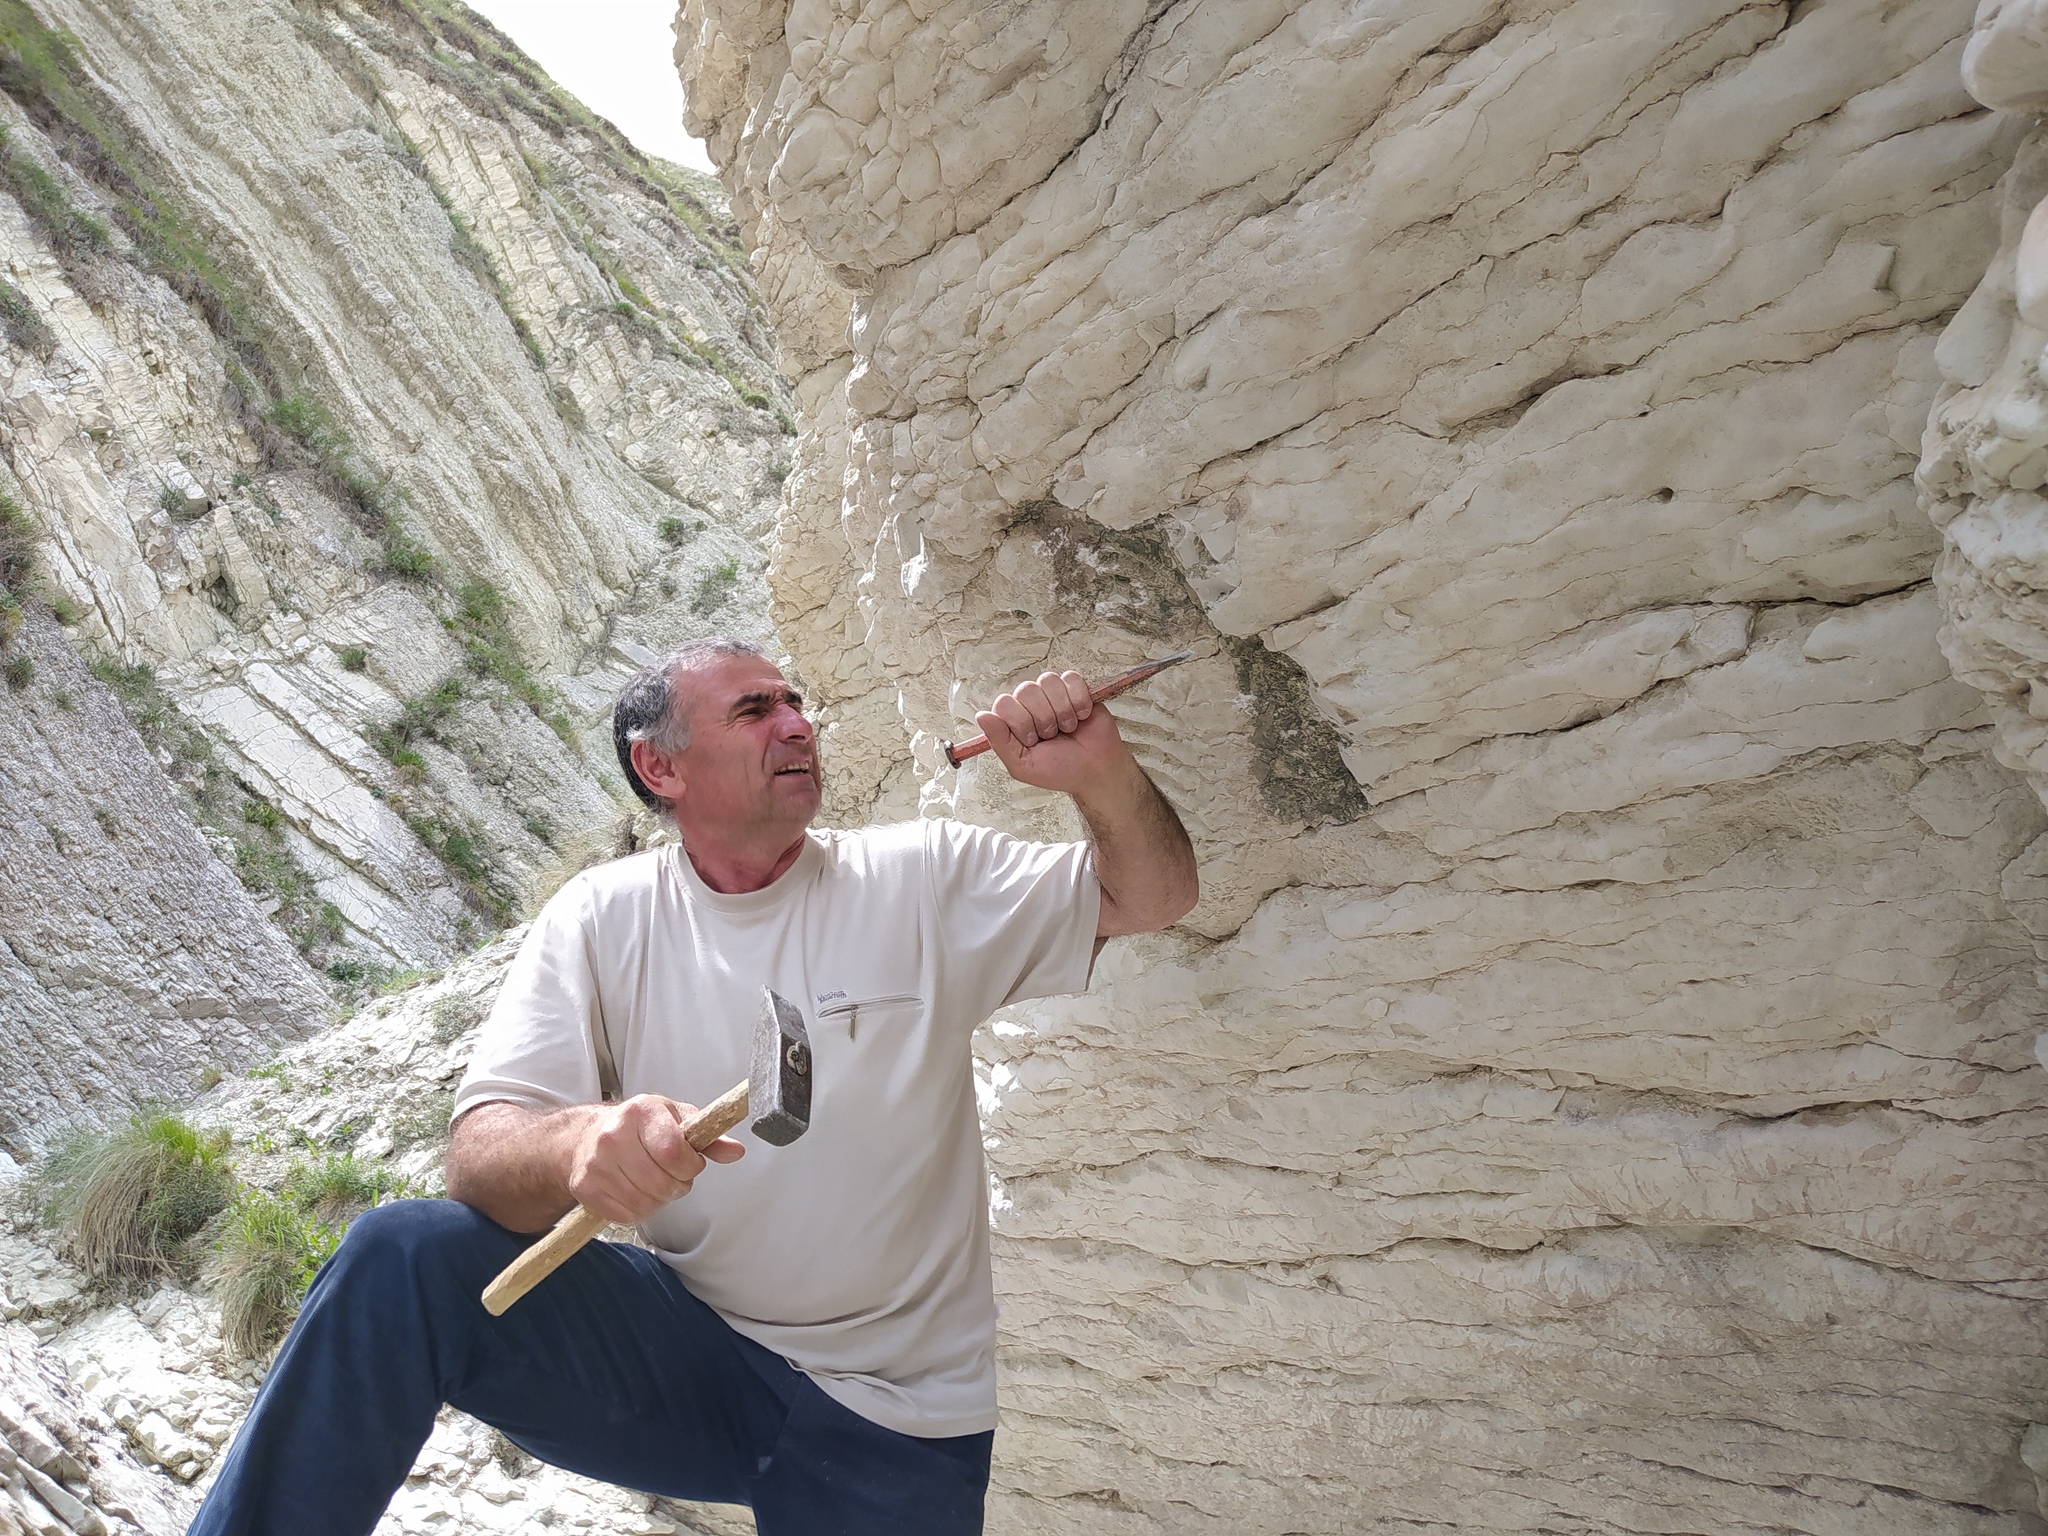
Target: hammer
(778,1087)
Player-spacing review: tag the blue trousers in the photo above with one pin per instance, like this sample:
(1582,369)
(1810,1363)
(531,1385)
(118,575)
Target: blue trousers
(609,1368)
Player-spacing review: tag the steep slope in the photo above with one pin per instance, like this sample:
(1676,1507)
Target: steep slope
(134,960)
(1598,1090)
(386,405)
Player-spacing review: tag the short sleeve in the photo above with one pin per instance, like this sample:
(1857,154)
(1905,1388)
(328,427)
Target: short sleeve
(539,1047)
(1016,919)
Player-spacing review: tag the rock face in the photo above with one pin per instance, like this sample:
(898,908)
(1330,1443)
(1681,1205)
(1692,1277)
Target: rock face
(1598,1090)
(133,957)
(388,408)
(1986,452)
(64,1468)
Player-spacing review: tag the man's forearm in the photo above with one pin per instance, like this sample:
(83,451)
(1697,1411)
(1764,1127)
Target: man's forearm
(512,1163)
(1143,858)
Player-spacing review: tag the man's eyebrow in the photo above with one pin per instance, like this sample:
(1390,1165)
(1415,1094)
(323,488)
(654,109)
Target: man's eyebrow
(765,696)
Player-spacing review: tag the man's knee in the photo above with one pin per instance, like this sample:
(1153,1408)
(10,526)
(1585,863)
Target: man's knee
(426,1244)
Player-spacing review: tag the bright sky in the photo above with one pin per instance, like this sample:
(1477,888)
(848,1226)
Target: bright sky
(615,57)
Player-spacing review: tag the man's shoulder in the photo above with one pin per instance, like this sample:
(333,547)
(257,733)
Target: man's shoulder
(873,852)
(616,882)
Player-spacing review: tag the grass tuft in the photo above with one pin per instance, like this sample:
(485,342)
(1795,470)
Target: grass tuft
(714,587)
(17,546)
(267,1254)
(23,325)
(338,1188)
(125,1202)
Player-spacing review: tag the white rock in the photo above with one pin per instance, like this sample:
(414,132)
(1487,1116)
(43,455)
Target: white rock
(1517,414)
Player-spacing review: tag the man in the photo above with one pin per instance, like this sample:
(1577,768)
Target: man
(811,1331)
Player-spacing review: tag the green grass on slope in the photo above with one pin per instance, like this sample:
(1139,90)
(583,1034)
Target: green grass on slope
(126,1201)
(41,69)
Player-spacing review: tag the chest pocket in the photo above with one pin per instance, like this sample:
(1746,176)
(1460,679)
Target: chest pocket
(874,1012)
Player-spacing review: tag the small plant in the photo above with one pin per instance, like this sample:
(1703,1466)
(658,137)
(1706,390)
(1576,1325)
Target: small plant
(674,530)
(17,546)
(400,981)
(59,837)
(208,1079)
(714,587)
(240,480)
(782,420)
(354,658)
(308,419)
(268,1252)
(425,1120)
(403,557)
(109,822)
(350,973)
(24,327)
(541,828)
(450,1017)
(126,1201)
(20,670)
(778,471)
(272,1071)
(463,852)
(62,698)
(171,499)
(261,813)
(335,1189)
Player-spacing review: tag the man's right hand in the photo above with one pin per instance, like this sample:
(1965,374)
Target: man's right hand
(631,1158)
(625,1161)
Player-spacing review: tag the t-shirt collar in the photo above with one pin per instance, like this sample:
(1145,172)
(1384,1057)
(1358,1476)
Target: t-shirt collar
(799,874)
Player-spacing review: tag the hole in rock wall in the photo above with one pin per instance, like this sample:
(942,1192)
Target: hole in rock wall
(1296,755)
(1129,579)
(1123,577)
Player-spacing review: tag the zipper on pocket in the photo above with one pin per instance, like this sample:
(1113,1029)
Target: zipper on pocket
(850,1009)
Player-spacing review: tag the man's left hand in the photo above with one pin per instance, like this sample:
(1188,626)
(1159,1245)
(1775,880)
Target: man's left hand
(1052,735)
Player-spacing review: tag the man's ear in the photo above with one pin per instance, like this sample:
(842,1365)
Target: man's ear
(658,770)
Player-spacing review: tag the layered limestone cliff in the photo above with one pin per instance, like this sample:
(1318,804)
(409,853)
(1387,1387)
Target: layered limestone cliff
(1598,1090)
(1986,453)
(369,410)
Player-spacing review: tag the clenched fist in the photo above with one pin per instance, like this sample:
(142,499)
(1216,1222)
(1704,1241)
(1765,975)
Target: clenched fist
(1052,735)
(631,1158)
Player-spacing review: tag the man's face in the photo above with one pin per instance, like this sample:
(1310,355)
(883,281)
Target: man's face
(751,768)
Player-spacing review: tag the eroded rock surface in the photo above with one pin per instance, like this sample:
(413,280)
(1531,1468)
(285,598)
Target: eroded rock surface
(1598,1090)
(1986,451)
(133,958)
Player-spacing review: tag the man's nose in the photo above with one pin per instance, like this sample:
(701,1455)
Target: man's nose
(790,724)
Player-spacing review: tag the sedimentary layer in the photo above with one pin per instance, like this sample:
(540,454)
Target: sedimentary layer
(1598,1090)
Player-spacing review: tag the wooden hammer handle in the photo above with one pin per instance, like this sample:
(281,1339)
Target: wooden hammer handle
(582,1223)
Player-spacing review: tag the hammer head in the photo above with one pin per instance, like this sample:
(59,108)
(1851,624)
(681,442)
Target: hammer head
(779,1088)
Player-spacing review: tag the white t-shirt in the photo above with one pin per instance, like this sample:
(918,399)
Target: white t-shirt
(859,1252)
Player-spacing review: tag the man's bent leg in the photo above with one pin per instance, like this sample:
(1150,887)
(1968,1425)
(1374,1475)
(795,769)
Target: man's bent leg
(833,1473)
(591,1370)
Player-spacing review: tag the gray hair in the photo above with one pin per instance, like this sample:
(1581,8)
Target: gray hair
(647,710)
